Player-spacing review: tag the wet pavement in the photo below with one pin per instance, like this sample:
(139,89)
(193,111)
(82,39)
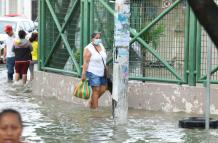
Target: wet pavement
(48,120)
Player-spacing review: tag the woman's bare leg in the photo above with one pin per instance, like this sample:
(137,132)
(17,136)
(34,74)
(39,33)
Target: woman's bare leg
(103,89)
(95,95)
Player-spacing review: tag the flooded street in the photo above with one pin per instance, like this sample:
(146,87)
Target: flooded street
(48,120)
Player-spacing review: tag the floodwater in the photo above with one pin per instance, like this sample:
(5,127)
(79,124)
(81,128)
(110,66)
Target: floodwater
(48,120)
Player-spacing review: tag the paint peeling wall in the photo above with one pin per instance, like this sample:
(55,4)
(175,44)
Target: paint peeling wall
(147,96)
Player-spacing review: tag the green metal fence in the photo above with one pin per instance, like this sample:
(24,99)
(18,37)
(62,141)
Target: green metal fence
(202,58)
(59,36)
(160,42)
(167,43)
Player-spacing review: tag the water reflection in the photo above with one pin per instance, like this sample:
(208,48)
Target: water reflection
(48,120)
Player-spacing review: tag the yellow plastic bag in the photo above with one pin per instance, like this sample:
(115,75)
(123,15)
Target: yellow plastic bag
(83,90)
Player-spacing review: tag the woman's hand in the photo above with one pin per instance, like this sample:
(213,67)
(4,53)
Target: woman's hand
(83,77)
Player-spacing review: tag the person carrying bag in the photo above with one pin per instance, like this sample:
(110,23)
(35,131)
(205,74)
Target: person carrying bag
(93,68)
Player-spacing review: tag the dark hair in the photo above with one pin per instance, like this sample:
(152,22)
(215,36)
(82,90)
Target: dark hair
(22,34)
(12,111)
(94,34)
(33,37)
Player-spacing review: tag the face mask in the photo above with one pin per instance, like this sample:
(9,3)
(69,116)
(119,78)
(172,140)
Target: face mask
(97,41)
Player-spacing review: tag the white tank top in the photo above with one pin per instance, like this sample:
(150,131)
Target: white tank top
(96,65)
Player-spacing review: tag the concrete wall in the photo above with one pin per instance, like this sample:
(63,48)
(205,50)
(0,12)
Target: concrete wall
(148,96)
(61,87)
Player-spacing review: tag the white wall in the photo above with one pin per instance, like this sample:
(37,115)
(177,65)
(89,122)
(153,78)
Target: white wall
(2,7)
(22,7)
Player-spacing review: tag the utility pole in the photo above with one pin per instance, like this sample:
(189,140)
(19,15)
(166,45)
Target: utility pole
(121,61)
(207,88)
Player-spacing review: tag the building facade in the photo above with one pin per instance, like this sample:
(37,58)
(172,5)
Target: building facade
(25,8)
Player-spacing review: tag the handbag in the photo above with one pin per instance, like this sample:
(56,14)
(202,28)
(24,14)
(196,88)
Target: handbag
(105,72)
(82,90)
(109,85)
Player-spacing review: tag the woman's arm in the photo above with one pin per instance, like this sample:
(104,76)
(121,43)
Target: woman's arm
(86,59)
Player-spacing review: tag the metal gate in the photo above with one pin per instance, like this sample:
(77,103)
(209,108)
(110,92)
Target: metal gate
(166,41)
(158,47)
(60,36)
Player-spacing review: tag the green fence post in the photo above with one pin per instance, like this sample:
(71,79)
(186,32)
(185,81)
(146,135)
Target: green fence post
(41,51)
(198,51)
(81,32)
(192,49)
(85,26)
(91,17)
(186,50)
(86,23)
(39,36)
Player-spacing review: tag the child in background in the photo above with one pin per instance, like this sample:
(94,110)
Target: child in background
(34,42)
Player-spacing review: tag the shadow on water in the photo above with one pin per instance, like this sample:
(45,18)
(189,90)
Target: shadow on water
(48,120)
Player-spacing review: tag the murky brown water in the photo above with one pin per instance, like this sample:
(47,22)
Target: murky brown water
(48,120)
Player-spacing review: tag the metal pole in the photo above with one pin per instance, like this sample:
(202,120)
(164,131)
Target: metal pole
(86,23)
(81,33)
(42,34)
(186,50)
(192,50)
(207,89)
(121,61)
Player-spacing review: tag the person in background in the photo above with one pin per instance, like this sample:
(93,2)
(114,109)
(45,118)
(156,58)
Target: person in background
(8,53)
(34,42)
(93,68)
(1,54)
(22,49)
(11,126)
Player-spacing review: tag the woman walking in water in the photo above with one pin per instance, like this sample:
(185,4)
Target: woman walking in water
(93,68)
